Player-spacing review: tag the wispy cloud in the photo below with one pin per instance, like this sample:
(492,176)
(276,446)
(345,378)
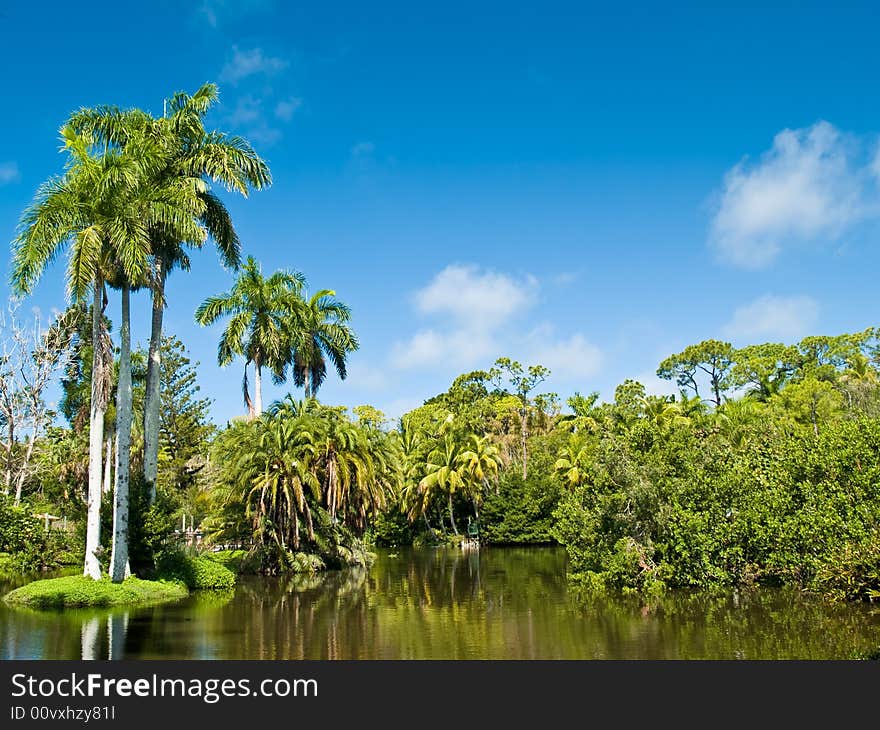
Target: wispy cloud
(286,108)
(251,117)
(573,357)
(9,173)
(813,182)
(245,63)
(773,318)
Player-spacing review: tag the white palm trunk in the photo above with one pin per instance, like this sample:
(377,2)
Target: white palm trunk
(152,392)
(92,567)
(258,390)
(108,466)
(119,554)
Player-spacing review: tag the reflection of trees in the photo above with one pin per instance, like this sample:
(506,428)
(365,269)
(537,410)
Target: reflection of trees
(492,603)
(765,623)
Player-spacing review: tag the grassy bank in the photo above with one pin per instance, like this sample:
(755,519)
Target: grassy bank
(178,574)
(78,590)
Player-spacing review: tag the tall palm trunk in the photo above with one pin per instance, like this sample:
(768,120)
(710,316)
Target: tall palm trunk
(98,406)
(108,466)
(119,555)
(308,383)
(151,393)
(452,516)
(258,389)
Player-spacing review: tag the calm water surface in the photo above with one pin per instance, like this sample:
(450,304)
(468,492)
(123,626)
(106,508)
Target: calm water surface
(496,603)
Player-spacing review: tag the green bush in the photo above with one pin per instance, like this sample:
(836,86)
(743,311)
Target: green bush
(683,508)
(240,562)
(196,573)
(852,571)
(29,545)
(78,590)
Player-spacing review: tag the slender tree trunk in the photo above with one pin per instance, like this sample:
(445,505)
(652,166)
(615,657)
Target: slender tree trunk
(22,474)
(258,389)
(308,377)
(524,425)
(108,466)
(452,516)
(152,392)
(119,555)
(92,567)
(10,446)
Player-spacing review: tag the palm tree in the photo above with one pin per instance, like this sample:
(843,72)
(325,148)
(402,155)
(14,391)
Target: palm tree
(573,462)
(320,331)
(280,469)
(193,153)
(482,461)
(446,472)
(260,310)
(103,206)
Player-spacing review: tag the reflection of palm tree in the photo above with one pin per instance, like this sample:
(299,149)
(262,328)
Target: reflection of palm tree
(89,638)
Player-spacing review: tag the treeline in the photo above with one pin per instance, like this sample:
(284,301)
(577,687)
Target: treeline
(765,468)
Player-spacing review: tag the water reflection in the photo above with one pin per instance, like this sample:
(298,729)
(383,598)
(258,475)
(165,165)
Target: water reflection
(509,603)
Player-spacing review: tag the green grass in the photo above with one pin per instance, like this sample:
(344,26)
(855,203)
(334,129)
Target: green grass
(78,590)
(197,573)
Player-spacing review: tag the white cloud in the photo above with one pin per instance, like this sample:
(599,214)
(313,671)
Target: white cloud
(455,348)
(246,63)
(813,182)
(773,318)
(285,110)
(9,173)
(574,357)
(475,298)
(248,115)
(362,376)
(248,109)
(481,315)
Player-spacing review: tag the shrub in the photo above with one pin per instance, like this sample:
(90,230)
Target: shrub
(196,573)
(686,509)
(24,538)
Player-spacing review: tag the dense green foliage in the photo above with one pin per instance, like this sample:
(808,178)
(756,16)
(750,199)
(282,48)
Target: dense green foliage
(303,478)
(77,590)
(25,543)
(195,572)
(779,486)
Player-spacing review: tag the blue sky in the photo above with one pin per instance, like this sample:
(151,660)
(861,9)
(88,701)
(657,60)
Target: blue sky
(588,187)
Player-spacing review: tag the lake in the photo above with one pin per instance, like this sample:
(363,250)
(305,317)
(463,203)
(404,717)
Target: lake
(493,603)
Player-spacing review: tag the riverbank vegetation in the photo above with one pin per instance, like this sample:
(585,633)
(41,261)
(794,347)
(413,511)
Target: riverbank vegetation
(764,467)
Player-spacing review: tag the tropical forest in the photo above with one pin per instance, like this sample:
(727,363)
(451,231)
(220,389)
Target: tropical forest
(737,513)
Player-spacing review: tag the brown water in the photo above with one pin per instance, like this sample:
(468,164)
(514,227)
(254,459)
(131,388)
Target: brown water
(496,603)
